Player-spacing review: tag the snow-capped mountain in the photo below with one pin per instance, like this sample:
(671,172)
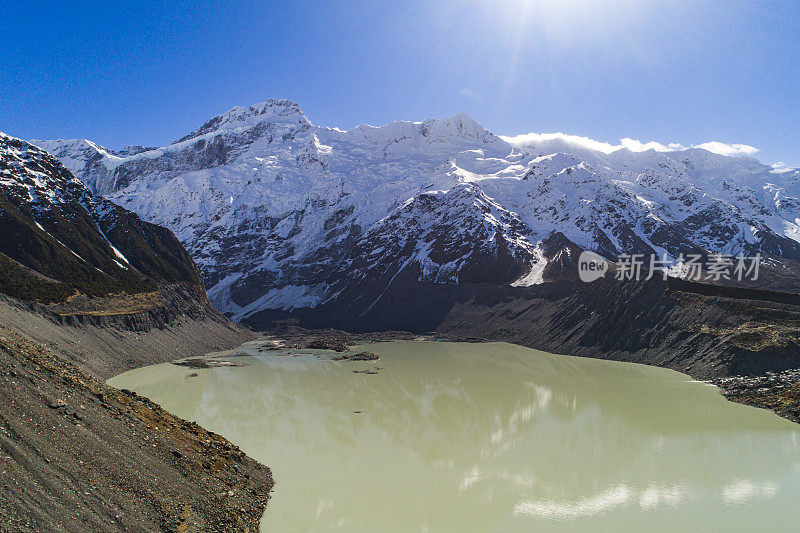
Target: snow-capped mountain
(282,214)
(57,237)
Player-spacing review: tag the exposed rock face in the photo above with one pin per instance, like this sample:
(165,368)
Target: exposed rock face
(281,214)
(705,331)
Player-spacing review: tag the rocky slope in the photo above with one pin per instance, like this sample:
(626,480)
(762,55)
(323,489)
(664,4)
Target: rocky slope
(77,455)
(90,290)
(673,324)
(70,258)
(282,214)
(777,391)
(107,342)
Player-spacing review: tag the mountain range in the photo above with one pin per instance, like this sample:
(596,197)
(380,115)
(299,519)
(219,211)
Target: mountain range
(283,216)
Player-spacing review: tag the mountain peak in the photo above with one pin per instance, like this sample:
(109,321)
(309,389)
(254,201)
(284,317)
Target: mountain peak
(460,125)
(465,118)
(237,118)
(451,131)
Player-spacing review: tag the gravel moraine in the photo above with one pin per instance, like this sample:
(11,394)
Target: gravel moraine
(78,455)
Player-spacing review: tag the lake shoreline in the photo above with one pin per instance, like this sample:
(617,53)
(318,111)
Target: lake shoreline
(78,454)
(777,392)
(125,462)
(539,431)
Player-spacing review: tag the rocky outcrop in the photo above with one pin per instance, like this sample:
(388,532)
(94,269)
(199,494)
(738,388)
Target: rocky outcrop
(777,391)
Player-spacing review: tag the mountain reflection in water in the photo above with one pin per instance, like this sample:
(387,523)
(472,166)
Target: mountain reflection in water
(491,437)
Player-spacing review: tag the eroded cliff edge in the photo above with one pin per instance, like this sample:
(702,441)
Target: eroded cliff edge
(709,332)
(106,341)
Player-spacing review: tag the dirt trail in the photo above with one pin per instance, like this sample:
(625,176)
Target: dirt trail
(105,346)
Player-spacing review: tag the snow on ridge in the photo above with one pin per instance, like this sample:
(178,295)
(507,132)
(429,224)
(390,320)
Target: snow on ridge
(268,203)
(238,118)
(453,130)
(117,253)
(528,140)
(26,170)
(31,175)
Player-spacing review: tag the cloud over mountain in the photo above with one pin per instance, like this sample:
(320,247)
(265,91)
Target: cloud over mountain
(633,145)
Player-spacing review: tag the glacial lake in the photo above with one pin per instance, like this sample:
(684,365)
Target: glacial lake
(460,437)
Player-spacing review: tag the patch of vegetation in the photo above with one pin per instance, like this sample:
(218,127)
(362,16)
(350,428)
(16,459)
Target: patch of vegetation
(114,304)
(49,266)
(22,283)
(152,249)
(756,336)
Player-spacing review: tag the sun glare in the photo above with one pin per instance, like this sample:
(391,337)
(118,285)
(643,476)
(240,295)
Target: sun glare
(565,16)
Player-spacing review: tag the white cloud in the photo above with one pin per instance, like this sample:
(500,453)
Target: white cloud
(781,168)
(469,93)
(728,149)
(634,145)
(573,140)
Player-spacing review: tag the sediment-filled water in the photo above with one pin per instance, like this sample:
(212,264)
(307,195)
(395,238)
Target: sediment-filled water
(490,437)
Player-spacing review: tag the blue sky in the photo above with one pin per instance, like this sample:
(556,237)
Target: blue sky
(688,71)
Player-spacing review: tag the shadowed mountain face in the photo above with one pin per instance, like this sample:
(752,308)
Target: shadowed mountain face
(57,237)
(281,214)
